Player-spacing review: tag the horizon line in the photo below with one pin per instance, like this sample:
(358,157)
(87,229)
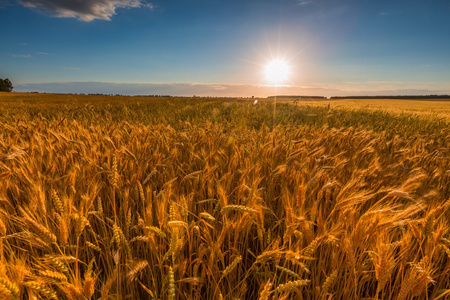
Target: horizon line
(224,89)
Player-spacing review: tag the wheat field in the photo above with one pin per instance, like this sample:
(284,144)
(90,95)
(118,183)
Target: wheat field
(177,198)
(432,108)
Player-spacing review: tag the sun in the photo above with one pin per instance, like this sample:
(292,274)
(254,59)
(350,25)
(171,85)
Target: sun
(277,71)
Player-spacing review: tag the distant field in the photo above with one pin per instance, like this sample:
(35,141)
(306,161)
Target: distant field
(198,198)
(432,108)
(428,108)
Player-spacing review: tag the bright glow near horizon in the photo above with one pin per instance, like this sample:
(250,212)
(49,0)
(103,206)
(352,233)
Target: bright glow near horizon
(277,71)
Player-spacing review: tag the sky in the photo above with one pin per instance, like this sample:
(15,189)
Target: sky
(222,48)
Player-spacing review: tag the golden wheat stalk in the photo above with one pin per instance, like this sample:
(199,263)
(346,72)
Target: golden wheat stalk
(89,286)
(57,202)
(232,266)
(173,224)
(329,282)
(238,208)
(290,285)
(171,291)
(206,216)
(136,270)
(287,271)
(156,231)
(93,246)
(58,276)
(40,230)
(41,289)
(384,265)
(8,289)
(265,293)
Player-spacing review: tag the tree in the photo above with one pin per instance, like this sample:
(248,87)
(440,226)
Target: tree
(6,85)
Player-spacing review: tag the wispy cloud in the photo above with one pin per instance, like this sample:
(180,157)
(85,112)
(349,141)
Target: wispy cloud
(84,10)
(385,82)
(21,55)
(304,2)
(43,53)
(71,68)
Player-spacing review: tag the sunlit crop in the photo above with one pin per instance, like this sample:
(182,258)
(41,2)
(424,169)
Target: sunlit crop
(176,198)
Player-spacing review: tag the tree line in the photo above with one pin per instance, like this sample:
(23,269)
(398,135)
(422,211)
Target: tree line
(6,85)
(410,97)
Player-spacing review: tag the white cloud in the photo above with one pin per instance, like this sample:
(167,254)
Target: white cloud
(21,55)
(304,2)
(84,10)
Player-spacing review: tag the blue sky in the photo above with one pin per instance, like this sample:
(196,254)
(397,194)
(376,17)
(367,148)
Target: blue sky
(211,47)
